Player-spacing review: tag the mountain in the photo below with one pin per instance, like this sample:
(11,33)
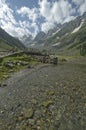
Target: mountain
(40,36)
(4,45)
(8,42)
(69,37)
(53,31)
(26,40)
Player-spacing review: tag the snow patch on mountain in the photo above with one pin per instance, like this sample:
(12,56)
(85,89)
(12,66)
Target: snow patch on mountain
(32,45)
(77,29)
(56,44)
(56,32)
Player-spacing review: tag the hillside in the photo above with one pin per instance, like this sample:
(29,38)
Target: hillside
(68,38)
(4,45)
(8,42)
(68,41)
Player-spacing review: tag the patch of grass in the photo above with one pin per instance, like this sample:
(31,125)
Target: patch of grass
(68,57)
(19,62)
(65,57)
(4,72)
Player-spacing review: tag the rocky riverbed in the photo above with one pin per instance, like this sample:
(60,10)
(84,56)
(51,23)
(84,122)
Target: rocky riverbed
(47,97)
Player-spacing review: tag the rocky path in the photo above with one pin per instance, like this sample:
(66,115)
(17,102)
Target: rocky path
(47,97)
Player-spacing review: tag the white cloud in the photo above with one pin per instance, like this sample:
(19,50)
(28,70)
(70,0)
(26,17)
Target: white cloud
(45,7)
(47,26)
(1,3)
(14,28)
(7,20)
(36,30)
(61,11)
(78,2)
(69,19)
(82,8)
(81,5)
(57,12)
(6,13)
(32,14)
(24,24)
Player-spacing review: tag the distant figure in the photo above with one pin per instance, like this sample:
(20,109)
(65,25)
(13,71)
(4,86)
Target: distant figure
(55,60)
(44,59)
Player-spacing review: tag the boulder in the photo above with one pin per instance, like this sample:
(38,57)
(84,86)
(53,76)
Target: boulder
(9,65)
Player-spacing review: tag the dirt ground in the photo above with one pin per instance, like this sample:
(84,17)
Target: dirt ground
(46,97)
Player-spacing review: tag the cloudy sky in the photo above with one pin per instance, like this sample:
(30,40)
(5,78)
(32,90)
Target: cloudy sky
(28,17)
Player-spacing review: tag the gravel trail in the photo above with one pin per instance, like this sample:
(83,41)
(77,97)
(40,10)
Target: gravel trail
(46,97)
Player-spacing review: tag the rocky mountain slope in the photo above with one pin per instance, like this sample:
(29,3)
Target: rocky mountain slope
(39,38)
(69,36)
(26,40)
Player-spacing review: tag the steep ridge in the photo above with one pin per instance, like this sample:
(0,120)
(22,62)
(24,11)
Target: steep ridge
(9,41)
(69,36)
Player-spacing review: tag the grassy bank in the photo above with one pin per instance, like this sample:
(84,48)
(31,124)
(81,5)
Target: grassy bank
(12,64)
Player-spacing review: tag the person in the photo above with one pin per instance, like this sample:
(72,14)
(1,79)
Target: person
(44,59)
(55,61)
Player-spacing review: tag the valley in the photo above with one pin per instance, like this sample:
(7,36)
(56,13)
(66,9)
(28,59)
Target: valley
(43,78)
